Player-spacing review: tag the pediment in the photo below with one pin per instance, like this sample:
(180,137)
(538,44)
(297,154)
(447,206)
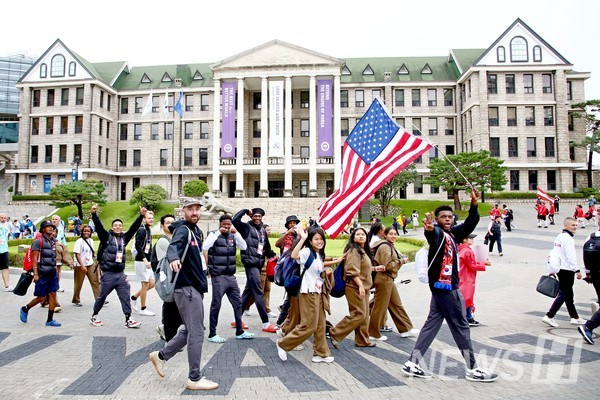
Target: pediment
(41,71)
(276,54)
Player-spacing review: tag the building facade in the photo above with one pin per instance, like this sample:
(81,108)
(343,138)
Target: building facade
(271,121)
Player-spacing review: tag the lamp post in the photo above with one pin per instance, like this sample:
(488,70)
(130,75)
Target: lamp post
(75,172)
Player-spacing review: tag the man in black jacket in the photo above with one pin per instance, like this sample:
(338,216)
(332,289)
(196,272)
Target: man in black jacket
(190,286)
(143,269)
(447,303)
(111,258)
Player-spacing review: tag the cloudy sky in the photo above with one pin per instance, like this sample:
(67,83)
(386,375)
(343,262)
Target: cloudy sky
(185,31)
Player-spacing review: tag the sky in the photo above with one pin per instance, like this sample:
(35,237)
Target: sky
(153,32)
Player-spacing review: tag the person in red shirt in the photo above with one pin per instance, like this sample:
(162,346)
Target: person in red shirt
(551,213)
(495,212)
(542,213)
(580,215)
(468,275)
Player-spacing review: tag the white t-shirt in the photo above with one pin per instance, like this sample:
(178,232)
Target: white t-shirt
(84,251)
(312,281)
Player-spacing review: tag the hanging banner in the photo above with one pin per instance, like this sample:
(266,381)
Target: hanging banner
(228,117)
(324,120)
(276,119)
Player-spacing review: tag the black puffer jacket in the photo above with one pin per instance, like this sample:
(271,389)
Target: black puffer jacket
(47,262)
(255,237)
(221,256)
(111,244)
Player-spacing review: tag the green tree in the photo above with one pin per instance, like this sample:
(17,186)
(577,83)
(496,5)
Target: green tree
(149,196)
(481,170)
(591,142)
(195,188)
(79,192)
(392,188)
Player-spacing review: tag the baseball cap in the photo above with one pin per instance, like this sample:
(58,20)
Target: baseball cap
(191,202)
(47,223)
(471,236)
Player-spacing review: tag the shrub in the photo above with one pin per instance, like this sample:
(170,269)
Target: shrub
(35,197)
(195,188)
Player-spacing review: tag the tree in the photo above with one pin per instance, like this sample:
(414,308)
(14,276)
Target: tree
(392,189)
(591,142)
(483,171)
(195,188)
(149,196)
(78,193)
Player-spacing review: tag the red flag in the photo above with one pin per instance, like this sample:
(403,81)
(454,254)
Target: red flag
(376,150)
(543,195)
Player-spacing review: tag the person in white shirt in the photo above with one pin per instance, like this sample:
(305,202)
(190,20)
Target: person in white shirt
(85,265)
(4,259)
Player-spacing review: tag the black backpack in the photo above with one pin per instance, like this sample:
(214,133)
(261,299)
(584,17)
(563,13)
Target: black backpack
(591,252)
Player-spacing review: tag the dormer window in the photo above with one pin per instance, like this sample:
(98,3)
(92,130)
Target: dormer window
(145,79)
(403,70)
(346,71)
(501,54)
(72,68)
(537,54)
(43,71)
(57,68)
(426,69)
(518,49)
(166,78)
(198,76)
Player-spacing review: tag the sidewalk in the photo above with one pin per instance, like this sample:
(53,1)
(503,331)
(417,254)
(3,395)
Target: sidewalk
(79,361)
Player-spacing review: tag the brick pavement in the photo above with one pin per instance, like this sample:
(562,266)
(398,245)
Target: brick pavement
(79,361)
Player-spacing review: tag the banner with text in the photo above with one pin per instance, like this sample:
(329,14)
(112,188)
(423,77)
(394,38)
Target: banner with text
(228,116)
(276,119)
(325,133)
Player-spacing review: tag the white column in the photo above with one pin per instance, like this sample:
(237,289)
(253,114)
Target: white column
(239,159)
(312,150)
(216,157)
(337,134)
(264,138)
(287,161)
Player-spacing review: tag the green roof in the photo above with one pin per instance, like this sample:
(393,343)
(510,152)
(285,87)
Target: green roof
(441,69)
(185,72)
(105,71)
(464,58)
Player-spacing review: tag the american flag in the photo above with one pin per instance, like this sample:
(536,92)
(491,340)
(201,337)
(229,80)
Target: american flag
(543,195)
(376,150)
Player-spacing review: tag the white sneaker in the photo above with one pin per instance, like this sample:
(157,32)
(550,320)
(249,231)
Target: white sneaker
(280,333)
(132,324)
(134,306)
(271,314)
(147,313)
(202,384)
(382,338)
(480,375)
(319,359)
(160,329)
(411,333)
(95,321)
(578,321)
(60,289)
(595,307)
(158,363)
(8,288)
(549,321)
(298,348)
(412,369)
(247,313)
(281,352)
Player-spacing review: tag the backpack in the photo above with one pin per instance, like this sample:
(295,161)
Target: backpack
(591,252)
(28,259)
(339,281)
(422,263)
(292,276)
(153,257)
(164,276)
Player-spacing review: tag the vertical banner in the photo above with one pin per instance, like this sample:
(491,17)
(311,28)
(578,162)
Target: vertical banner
(228,115)
(276,119)
(324,120)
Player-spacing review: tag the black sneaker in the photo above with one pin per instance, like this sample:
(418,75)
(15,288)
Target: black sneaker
(472,322)
(412,369)
(480,375)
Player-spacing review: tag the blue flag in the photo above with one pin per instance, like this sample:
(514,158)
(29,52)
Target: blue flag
(178,107)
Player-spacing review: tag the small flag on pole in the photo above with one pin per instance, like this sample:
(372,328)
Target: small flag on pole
(543,195)
(148,106)
(166,104)
(376,150)
(178,107)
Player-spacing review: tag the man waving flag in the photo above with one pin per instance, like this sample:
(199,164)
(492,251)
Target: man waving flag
(543,195)
(376,150)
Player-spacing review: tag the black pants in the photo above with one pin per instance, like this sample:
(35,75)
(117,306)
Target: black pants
(225,285)
(110,281)
(285,309)
(566,280)
(253,288)
(595,276)
(171,319)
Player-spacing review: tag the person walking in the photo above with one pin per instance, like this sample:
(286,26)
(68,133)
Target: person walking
(556,203)
(447,302)
(587,330)
(468,275)
(495,235)
(580,215)
(112,258)
(85,266)
(60,236)
(143,269)
(415,219)
(190,286)
(290,306)
(591,260)
(507,215)
(4,259)
(542,213)
(565,246)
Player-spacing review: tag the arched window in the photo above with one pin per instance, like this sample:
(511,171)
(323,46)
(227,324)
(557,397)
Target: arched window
(501,54)
(72,68)
(58,66)
(537,54)
(518,49)
(43,71)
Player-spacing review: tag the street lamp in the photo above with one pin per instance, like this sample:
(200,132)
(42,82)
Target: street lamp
(75,172)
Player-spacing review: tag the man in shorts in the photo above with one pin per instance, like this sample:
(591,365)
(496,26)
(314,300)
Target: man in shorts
(4,237)
(143,270)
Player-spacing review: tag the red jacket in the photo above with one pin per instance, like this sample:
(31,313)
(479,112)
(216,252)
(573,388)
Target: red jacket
(468,273)
(542,210)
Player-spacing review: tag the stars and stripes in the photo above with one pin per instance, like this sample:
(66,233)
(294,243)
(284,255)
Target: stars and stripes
(543,195)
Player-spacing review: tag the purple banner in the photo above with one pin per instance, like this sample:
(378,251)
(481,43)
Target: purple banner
(228,117)
(324,120)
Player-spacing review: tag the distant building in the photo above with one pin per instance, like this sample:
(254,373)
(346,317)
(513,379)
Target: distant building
(271,121)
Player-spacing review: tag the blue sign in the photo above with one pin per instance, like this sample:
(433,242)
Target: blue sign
(74,176)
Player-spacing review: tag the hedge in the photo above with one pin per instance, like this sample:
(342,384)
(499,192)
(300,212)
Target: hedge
(529,195)
(35,197)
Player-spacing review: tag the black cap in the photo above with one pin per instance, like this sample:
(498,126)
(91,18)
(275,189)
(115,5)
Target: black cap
(191,202)
(291,218)
(258,210)
(471,236)
(47,223)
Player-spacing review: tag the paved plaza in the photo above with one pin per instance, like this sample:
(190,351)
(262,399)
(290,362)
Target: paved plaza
(79,361)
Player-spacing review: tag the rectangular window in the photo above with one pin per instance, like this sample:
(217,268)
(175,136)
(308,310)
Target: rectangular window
(204,98)
(137,132)
(513,147)
(376,93)
(48,157)
(418,185)
(548,116)
(64,97)
(495,147)
(345,127)
(492,83)
(343,98)
(533,179)
(135,183)
(77,152)
(139,104)
(78,123)
(256,129)
(107,151)
(50,98)
(572,151)
(101,99)
(168,131)
(546,83)
(569,90)
(401,122)
(99,126)
(99,154)
(154,132)
(189,102)
(416,97)
(49,125)
(34,154)
(187,157)
(431,97)
(137,158)
(123,133)
(434,189)
(122,158)
(529,116)
(511,116)
(189,130)
(549,145)
(514,179)
(164,156)
(155,103)
(35,126)
(124,105)
(531,152)
(449,149)
(37,95)
(64,125)
(108,129)
(399,97)
(433,153)
(493,116)
(108,101)
(304,151)
(551,179)
(359,98)
(449,126)
(203,130)
(448,97)
(256,152)
(528,83)
(433,131)
(510,83)
(304,128)
(203,159)
(304,99)
(79,96)
(416,126)
(571,125)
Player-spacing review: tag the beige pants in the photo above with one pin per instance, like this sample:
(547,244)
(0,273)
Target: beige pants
(387,298)
(93,275)
(312,322)
(357,321)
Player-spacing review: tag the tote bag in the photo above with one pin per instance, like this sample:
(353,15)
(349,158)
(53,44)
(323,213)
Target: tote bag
(548,286)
